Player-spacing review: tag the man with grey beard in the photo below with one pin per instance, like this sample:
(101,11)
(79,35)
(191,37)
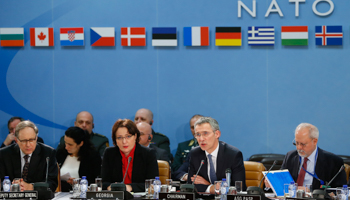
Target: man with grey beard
(309,164)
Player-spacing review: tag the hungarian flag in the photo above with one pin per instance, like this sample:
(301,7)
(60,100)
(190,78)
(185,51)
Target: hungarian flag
(329,35)
(41,37)
(196,36)
(164,36)
(102,36)
(294,35)
(12,37)
(228,36)
(133,36)
(72,36)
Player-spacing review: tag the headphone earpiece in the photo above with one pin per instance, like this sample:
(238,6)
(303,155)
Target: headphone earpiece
(150,123)
(149,137)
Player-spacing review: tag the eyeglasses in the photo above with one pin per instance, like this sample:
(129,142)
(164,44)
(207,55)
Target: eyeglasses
(301,144)
(126,137)
(204,134)
(31,141)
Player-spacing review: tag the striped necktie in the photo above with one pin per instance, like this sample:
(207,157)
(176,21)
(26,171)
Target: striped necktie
(25,168)
(212,173)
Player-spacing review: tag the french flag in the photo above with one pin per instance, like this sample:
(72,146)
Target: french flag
(72,36)
(102,36)
(196,36)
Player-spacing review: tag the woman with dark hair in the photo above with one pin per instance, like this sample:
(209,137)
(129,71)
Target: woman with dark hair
(143,162)
(78,158)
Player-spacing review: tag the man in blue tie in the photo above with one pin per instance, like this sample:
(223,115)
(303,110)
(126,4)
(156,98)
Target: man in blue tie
(218,156)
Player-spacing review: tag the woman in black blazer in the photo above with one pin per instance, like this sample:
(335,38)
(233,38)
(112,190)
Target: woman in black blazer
(79,157)
(143,164)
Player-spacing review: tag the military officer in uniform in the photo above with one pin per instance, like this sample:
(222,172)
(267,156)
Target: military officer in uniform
(159,140)
(185,147)
(85,121)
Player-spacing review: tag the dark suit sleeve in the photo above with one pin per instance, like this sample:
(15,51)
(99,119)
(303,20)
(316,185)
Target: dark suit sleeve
(53,172)
(238,170)
(152,171)
(95,167)
(106,170)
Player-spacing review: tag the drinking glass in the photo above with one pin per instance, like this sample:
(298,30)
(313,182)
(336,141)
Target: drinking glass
(339,193)
(98,182)
(286,190)
(76,187)
(217,186)
(148,188)
(169,182)
(238,185)
(308,190)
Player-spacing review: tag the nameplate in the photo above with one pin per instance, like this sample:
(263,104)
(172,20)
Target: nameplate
(291,198)
(177,196)
(243,197)
(19,195)
(105,195)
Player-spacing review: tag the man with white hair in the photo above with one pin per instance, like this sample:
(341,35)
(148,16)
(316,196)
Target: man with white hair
(309,164)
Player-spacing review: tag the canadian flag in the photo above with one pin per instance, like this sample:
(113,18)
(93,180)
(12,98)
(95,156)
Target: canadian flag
(41,37)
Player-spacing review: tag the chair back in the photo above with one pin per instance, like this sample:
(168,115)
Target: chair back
(347,171)
(164,171)
(253,173)
(58,189)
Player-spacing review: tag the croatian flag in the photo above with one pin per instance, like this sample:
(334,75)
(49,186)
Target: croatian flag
(329,35)
(102,36)
(72,36)
(196,36)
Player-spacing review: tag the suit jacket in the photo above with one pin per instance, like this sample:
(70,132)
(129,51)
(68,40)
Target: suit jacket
(182,151)
(228,157)
(10,164)
(145,166)
(327,165)
(161,154)
(89,167)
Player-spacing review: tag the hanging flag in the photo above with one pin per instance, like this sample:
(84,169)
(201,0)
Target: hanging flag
(164,36)
(41,37)
(294,35)
(12,37)
(261,35)
(329,35)
(102,36)
(133,36)
(228,36)
(72,36)
(196,36)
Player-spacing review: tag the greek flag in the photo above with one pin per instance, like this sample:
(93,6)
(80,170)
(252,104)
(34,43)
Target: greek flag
(261,35)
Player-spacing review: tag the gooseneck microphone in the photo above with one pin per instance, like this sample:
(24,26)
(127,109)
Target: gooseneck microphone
(127,167)
(47,168)
(253,190)
(43,188)
(200,166)
(228,176)
(322,193)
(191,187)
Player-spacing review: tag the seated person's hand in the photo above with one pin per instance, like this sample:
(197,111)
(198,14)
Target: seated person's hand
(267,184)
(200,180)
(26,186)
(70,181)
(128,188)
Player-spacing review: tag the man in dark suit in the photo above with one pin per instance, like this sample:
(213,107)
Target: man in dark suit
(27,159)
(217,156)
(145,139)
(11,125)
(309,164)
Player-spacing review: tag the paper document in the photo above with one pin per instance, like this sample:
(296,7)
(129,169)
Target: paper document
(65,177)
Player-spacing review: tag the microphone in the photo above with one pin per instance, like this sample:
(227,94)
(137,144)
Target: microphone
(127,167)
(121,186)
(321,193)
(228,176)
(253,190)
(44,191)
(191,187)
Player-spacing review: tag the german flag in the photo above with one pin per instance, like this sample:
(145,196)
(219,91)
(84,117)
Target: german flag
(228,36)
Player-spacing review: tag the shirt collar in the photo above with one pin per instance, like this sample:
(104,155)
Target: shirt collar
(22,154)
(312,158)
(214,153)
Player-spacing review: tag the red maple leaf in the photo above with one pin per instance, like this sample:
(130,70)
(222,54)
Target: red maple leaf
(41,36)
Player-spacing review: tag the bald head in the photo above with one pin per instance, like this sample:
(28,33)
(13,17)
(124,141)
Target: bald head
(145,133)
(144,115)
(85,121)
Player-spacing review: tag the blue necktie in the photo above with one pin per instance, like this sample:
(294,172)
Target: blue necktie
(212,170)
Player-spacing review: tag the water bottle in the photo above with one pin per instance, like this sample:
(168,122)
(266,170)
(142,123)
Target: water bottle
(224,189)
(345,192)
(156,188)
(292,189)
(83,187)
(6,184)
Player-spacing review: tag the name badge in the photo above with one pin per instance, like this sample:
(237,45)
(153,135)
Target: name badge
(243,197)
(177,196)
(19,195)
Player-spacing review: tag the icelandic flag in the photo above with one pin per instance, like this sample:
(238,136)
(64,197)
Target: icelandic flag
(329,35)
(261,35)
(102,36)
(196,36)
(72,36)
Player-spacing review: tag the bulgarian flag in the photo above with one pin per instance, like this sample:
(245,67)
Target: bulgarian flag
(12,37)
(294,35)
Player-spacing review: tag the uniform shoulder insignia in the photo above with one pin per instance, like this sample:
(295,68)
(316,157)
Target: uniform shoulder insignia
(97,134)
(161,134)
(191,143)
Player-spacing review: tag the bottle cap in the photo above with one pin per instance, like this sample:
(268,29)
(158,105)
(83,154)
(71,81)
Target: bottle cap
(224,179)
(157,178)
(345,186)
(292,182)
(6,176)
(84,177)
